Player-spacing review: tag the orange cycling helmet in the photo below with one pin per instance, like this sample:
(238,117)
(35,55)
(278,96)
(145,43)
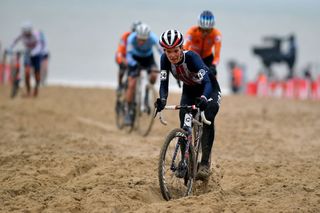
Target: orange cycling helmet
(170,39)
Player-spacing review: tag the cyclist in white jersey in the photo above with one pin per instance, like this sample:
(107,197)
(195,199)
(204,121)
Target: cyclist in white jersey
(44,59)
(34,47)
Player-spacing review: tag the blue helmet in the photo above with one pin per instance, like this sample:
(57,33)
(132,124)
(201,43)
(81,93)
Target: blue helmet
(206,20)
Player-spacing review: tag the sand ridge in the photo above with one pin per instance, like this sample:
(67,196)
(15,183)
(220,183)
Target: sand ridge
(62,152)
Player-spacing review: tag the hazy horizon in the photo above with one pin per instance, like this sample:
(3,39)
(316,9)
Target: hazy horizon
(83,35)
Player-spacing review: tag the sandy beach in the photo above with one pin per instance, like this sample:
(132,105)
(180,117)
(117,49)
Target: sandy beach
(62,152)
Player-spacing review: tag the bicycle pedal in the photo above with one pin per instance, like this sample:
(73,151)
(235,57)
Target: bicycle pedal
(181,171)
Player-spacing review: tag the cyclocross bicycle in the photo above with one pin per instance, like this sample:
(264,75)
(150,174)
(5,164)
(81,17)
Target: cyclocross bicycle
(144,98)
(14,70)
(181,154)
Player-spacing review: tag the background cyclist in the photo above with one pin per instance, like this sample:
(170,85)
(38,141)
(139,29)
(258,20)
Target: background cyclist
(34,46)
(198,88)
(44,59)
(204,38)
(121,53)
(140,54)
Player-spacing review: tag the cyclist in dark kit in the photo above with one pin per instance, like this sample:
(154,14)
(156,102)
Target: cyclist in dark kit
(200,87)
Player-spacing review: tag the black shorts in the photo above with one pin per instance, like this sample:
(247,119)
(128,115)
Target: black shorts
(147,63)
(33,61)
(45,56)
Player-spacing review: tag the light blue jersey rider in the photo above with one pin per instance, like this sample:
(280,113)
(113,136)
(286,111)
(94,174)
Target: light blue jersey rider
(140,55)
(140,50)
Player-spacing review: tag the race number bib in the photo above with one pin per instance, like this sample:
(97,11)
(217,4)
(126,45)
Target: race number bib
(163,75)
(201,73)
(187,120)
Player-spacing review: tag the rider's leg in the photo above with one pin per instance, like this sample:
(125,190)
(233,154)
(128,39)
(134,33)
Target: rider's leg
(207,140)
(132,81)
(27,71)
(209,130)
(121,84)
(44,70)
(206,144)
(186,99)
(36,63)
(208,133)
(37,80)
(153,76)
(122,70)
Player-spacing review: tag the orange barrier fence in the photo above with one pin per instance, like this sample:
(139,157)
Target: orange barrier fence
(296,88)
(5,73)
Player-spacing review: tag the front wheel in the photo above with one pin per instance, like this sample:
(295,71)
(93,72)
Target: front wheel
(15,83)
(120,110)
(145,110)
(176,180)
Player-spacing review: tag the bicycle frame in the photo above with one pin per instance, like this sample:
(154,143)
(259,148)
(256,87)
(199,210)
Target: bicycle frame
(189,122)
(139,93)
(177,168)
(141,83)
(144,97)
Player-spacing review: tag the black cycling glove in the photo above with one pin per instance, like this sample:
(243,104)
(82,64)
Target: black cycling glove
(160,104)
(202,103)
(122,66)
(213,69)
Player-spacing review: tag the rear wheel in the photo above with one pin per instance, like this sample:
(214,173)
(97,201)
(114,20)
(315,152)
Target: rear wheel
(175,181)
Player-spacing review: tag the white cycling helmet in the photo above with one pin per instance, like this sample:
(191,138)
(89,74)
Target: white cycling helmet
(206,20)
(143,31)
(170,39)
(26,27)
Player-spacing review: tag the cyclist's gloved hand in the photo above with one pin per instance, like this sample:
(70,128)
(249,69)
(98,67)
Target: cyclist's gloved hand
(160,104)
(123,66)
(213,69)
(202,103)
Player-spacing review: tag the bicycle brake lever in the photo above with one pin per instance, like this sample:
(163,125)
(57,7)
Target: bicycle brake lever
(155,112)
(162,120)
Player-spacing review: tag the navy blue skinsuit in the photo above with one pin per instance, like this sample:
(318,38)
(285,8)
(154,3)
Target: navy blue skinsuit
(197,81)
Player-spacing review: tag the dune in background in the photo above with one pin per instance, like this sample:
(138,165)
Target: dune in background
(62,152)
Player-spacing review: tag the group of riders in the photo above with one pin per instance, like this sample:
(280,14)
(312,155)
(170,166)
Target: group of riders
(191,59)
(36,55)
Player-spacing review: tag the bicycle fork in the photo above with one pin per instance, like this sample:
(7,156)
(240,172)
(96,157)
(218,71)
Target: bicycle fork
(181,169)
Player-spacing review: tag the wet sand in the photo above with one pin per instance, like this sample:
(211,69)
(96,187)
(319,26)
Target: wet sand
(62,152)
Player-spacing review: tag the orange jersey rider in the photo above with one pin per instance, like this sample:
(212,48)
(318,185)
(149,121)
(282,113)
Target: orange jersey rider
(121,53)
(122,50)
(203,39)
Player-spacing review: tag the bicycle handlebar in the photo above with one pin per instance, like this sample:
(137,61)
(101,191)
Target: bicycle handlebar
(9,51)
(175,107)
